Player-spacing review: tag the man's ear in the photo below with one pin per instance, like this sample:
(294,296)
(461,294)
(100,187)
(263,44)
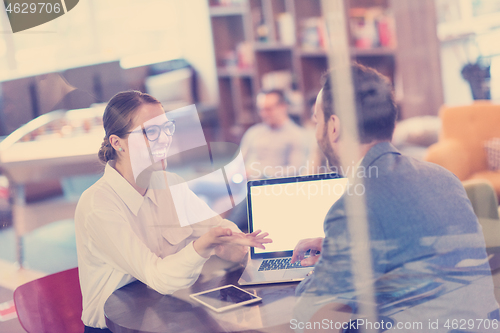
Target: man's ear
(334,128)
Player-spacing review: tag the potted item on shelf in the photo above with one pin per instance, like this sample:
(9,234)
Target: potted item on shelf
(262,33)
(259,25)
(478,75)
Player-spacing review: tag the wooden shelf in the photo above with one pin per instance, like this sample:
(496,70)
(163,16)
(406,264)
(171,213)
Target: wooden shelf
(379,51)
(312,53)
(369,3)
(271,46)
(237,31)
(217,11)
(235,72)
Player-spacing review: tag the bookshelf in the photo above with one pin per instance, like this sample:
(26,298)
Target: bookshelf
(282,43)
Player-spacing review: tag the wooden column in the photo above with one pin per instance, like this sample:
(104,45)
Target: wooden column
(418,57)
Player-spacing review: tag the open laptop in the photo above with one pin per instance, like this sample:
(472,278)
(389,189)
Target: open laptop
(290,209)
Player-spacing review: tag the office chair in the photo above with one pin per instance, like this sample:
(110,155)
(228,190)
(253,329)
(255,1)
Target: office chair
(51,304)
(483,197)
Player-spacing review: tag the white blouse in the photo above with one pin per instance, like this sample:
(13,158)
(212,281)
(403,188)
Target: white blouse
(122,236)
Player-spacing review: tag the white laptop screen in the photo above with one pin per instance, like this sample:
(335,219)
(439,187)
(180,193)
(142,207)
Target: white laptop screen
(291,209)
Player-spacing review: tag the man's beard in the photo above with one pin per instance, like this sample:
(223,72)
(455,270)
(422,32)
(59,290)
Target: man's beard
(327,149)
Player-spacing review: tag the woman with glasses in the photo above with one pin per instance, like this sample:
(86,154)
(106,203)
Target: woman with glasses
(127,223)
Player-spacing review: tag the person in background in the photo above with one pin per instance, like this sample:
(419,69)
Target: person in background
(128,225)
(276,147)
(423,234)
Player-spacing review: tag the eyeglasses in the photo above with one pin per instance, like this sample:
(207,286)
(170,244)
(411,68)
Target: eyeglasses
(153,132)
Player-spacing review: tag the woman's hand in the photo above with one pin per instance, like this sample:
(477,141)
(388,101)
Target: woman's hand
(236,253)
(223,237)
(313,244)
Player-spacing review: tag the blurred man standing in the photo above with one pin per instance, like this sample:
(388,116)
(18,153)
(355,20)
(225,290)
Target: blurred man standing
(274,148)
(277,147)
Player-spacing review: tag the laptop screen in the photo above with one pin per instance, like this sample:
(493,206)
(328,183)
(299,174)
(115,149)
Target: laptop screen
(291,209)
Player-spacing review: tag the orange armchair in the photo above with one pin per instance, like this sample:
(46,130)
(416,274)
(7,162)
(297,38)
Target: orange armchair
(460,148)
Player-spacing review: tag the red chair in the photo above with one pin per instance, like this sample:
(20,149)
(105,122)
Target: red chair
(51,304)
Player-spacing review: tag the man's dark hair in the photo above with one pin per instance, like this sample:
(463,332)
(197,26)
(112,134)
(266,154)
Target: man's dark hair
(375,108)
(279,92)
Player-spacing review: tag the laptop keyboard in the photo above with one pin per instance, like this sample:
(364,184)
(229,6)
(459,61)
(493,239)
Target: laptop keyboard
(280,263)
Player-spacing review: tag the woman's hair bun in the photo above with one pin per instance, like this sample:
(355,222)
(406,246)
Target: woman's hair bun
(106,152)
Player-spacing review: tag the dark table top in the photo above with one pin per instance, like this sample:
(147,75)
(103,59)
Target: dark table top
(137,308)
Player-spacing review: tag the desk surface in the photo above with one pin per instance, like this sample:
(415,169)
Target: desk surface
(136,308)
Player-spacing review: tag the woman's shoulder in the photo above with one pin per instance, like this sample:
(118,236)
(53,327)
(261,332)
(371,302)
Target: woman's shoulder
(97,196)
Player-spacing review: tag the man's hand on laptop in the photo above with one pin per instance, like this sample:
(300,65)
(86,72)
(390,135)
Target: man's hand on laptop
(299,253)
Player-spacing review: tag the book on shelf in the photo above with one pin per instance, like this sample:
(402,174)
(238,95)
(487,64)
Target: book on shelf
(286,29)
(372,28)
(240,59)
(245,54)
(313,34)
